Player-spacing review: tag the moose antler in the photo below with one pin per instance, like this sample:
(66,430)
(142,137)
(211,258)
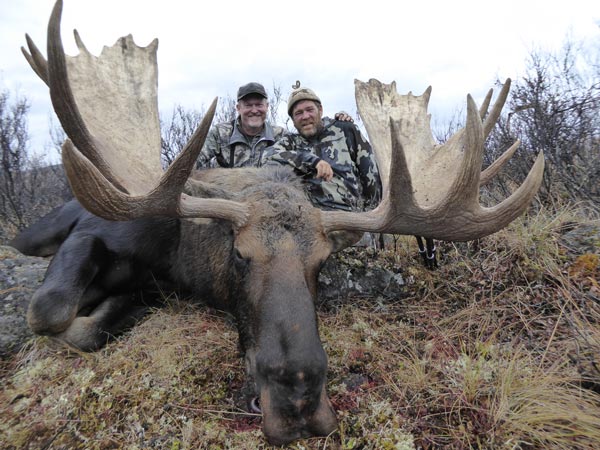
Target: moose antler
(428,189)
(108,107)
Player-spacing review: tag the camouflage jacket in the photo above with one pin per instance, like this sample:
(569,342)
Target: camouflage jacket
(227,146)
(355,184)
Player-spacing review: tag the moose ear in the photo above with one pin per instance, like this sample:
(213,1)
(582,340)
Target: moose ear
(342,239)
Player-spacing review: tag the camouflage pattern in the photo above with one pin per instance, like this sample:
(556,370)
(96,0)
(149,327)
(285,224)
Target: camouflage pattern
(355,184)
(226,139)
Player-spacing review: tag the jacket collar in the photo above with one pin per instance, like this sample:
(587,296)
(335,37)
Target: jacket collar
(237,136)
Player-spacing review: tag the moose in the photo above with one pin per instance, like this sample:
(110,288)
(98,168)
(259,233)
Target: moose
(248,241)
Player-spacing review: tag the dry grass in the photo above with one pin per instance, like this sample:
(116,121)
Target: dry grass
(497,349)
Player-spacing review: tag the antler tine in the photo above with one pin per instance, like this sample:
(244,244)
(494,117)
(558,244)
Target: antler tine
(465,189)
(432,190)
(173,181)
(36,60)
(492,118)
(486,103)
(492,170)
(80,45)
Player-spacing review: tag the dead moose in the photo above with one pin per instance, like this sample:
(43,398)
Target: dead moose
(247,241)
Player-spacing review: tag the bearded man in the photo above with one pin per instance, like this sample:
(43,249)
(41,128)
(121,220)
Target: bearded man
(334,159)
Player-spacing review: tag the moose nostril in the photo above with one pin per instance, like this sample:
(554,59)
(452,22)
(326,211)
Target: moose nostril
(255,405)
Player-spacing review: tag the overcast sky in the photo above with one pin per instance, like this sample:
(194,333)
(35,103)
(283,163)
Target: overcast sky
(208,49)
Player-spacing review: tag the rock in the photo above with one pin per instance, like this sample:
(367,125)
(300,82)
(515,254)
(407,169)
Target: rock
(582,238)
(20,276)
(356,273)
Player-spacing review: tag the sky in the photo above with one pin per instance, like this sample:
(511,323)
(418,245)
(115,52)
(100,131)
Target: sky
(209,49)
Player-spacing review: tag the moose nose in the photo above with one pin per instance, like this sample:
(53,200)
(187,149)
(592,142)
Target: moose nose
(255,405)
(281,427)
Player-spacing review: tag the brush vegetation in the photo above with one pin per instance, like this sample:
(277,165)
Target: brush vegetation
(497,349)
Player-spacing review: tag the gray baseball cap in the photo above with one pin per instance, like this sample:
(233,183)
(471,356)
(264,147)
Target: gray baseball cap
(251,88)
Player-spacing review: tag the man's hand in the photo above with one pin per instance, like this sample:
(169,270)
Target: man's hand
(324,170)
(343,116)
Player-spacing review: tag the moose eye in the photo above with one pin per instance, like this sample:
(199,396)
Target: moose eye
(238,255)
(239,260)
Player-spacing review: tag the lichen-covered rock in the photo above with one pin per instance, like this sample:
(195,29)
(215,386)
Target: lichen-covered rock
(583,238)
(20,276)
(357,272)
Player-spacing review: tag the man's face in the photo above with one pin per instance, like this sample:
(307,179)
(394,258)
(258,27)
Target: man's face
(307,115)
(253,111)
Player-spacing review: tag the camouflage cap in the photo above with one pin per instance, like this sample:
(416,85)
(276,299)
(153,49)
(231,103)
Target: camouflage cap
(299,95)
(251,88)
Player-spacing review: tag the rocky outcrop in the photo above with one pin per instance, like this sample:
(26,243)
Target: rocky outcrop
(20,276)
(357,272)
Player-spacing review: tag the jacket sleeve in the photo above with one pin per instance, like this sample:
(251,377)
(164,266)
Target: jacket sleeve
(209,151)
(286,152)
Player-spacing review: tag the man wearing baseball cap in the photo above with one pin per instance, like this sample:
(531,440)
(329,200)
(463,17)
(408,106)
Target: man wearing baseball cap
(336,162)
(240,142)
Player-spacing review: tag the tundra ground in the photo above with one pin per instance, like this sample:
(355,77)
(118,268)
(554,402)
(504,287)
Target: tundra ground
(497,349)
